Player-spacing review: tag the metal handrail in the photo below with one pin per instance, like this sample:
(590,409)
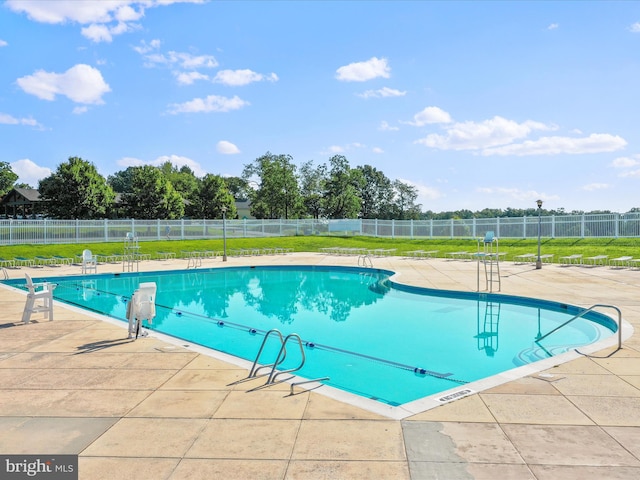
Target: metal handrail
(582,314)
(283,351)
(254,371)
(304,382)
(365,261)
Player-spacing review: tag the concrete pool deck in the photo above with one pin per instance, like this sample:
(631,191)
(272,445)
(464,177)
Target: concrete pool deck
(150,409)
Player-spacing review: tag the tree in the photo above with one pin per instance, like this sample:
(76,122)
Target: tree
(404,201)
(376,193)
(152,195)
(7,178)
(312,187)
(183,179)
(76,190)
(238,187)
(210,197)
(121,180)
(278,193)
(341,199)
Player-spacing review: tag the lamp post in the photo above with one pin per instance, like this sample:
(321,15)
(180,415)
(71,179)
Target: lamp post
(539,261)
(224,233)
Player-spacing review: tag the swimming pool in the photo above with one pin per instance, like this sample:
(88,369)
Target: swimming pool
(373,337)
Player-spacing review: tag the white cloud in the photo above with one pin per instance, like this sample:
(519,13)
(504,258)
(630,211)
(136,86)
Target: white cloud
(335,149)
(184,66)
(3,43)
(363,71)
(382,93)
(28,172)
(7,119)
(384,126)
(177,160)
(211,103)
(631,173)
(473,135)
(227,148)
(553,26)
(238,78)
(81,84)
(424,193)
(174,59)
(635,28)
(145,47)
(99,32)
(377,150)
(80,110)
(595,186)
(430,115)
(104,17)
(626,162)
(516,194)
(594,143)
(188,78)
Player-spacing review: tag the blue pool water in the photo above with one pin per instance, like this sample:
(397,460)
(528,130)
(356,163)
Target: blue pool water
(371,336)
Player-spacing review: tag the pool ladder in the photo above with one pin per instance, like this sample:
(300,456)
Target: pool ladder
(272,375)
(365,261)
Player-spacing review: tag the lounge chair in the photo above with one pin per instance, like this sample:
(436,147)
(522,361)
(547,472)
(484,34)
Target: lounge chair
(25,262)
(89,262)
(596,260)
(45,261)
(575,259)
(38,291)
(621,261)
(4,262)
(525,257)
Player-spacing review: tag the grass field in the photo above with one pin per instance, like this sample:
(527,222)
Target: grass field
(613,247)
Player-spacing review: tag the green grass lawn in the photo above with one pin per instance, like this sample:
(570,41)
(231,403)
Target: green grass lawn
(613,247)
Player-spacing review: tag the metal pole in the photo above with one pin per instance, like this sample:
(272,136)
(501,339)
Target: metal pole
(224,234)
(539,261)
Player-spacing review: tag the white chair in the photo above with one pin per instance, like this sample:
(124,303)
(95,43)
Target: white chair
(142,306)
(89,262)
(38,292)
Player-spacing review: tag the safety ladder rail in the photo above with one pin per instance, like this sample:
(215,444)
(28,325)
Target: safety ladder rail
(255,368)
(282,353)
(582,314)
(365,261)
(303,382)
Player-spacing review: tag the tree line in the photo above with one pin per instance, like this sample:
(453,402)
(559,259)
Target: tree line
(272,184)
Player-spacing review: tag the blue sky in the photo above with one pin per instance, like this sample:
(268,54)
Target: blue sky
(476,104)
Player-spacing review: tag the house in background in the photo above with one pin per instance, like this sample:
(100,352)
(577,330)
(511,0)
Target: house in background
(243,207)
(21,203)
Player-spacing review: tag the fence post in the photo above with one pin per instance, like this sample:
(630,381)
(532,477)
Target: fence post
(77,231)
(106,230)
(498,227)
(473,227)
(524,227)
(431,228)
(553,226)
(616,219)
(582,222)
(451,228)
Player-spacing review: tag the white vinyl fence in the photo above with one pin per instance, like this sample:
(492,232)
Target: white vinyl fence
(612,225)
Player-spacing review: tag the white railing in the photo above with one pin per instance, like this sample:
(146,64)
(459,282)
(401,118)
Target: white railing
(43,231)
